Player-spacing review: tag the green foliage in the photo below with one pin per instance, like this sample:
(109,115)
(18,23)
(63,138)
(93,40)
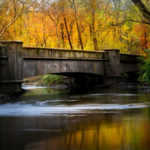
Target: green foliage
(145,69)
(124,76)
(52,79)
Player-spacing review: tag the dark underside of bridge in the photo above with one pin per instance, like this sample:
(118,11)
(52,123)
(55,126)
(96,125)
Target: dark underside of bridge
(130,77)
(85,81)
(82,80)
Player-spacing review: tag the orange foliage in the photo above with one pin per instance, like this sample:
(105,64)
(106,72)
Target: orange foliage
(101,26)
(143,33)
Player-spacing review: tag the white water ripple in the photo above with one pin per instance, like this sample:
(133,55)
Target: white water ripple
(32,87)
(20,109)
(112,94)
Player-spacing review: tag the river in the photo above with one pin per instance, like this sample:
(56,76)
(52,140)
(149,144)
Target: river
(52,119)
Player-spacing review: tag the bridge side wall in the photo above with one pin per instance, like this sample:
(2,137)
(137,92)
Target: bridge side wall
(128,63)
(40,61)
(67,67)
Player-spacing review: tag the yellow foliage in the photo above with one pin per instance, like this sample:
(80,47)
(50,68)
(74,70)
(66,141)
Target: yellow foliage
(44,26)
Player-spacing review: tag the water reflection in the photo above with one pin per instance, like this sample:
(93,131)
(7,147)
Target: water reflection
(106,120)
(107,132)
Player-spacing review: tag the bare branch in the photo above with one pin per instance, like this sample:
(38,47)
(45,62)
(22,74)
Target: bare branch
(4,28)
(143,22)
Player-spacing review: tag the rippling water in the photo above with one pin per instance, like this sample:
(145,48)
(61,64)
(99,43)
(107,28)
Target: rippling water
(44,109)
(47,119)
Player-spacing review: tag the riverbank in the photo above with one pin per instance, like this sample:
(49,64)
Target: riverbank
(37,82)
(7,97)
(49,81)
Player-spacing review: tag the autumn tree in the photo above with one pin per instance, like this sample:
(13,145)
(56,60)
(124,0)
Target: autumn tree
(91,8)
(11,11)
(54,15)
(64,14)
(77,24)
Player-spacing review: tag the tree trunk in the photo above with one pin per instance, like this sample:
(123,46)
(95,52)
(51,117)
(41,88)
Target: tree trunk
(93,25)
(78,29)
(62,34)
(68,35)
(58,43)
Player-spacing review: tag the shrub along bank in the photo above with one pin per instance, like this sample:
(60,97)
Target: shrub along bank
(46,80)
(144,74)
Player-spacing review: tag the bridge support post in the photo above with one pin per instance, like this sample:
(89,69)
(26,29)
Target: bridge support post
(11,82)
(112,73)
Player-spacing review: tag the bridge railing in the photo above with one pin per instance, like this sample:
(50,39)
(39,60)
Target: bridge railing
(33,53)
(128,58)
